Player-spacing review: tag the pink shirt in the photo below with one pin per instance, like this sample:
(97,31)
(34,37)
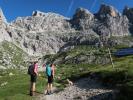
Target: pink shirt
(36,68)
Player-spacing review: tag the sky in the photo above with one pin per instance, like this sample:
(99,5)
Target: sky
(20,8)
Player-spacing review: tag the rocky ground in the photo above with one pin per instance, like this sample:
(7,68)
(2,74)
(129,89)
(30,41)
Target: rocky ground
(83,89)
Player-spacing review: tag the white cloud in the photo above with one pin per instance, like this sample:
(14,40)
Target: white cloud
(70,7)
(93,4)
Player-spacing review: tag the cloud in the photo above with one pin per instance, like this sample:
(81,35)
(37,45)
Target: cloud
(70,7)
(93,4)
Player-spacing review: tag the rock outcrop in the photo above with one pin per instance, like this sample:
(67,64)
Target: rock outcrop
(82,19)
(2,17)
(111,23)
(4,35)
(42,22)
(129,13)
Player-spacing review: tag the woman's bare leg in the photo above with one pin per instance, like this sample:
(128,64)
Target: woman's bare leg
(34,88)
(47,89)
(50,88)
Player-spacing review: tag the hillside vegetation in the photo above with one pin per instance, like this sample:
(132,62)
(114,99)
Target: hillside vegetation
(12,56)
(121,76)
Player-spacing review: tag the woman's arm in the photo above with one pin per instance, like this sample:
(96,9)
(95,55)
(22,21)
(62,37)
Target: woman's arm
(36,69)
(53,70)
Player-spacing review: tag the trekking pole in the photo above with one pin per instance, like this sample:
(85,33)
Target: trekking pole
(111,58)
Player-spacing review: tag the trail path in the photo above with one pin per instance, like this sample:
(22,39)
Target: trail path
(83,89)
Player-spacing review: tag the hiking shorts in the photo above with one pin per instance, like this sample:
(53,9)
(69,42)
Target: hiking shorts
(33,78)
(50,79)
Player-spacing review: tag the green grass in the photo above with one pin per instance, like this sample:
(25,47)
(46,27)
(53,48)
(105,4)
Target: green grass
(120,77)
(17,55)
(17,87)
(12,56)
(81,51)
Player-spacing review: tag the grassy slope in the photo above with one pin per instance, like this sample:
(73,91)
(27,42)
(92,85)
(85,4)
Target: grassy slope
(11,52)
(17,87)
(121,76)
(15,56)
(68,57)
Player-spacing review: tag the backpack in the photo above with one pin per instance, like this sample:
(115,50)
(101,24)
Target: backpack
(48,70)
(31,70)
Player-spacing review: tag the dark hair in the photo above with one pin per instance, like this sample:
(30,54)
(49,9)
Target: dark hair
(47,63)
(35,62)
(51,65)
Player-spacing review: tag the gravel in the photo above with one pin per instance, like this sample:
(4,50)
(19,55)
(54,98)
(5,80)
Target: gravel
(83,89)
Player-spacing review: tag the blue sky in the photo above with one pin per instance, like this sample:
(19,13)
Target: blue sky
(15,8)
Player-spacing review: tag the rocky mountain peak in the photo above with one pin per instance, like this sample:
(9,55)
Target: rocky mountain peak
(3,26)
(111,22)
(82,19)
(37,13)
(2,17)
(107,10)
(128,12)
(82,13)
(46,33)
(42,22)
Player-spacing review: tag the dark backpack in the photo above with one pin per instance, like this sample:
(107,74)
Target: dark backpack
(31,70)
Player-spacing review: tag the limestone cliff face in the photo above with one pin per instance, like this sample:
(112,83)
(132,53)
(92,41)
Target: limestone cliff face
(107,22)
(129,13)
(40,33)
(82,19)
(48,33)
(42,22)
(3,26)
(2,17)
(111,22)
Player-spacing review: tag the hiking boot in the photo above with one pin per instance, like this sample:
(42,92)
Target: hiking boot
(46,92)
(31,93)
(50,92)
